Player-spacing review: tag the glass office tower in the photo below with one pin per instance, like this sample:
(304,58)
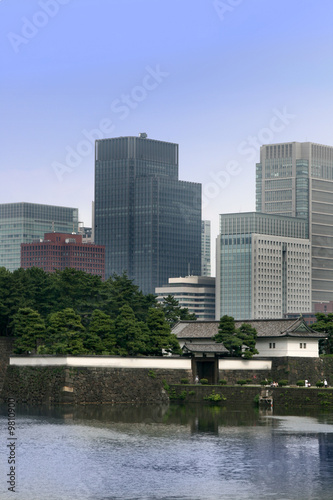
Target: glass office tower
(26,222)
(296,179)
(262,266)
(148,220)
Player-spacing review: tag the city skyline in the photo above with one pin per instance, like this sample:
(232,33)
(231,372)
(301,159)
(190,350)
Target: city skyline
(218,81)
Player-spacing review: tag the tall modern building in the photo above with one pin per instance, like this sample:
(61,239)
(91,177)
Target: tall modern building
(26,222)
(262,266)
(205,248)
(148,220)
(296,179)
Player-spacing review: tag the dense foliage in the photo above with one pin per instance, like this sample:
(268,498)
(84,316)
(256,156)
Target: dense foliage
(324,324)
(240,342)
(72,312)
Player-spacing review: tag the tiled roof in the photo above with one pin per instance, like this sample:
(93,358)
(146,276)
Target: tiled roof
(212,347)
(265,328)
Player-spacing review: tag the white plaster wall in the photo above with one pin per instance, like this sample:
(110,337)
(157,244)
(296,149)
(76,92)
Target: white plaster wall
(311,350)
(245,364)
(103,361)
(288,347)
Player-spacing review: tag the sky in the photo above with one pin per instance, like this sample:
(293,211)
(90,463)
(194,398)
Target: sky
(218,77)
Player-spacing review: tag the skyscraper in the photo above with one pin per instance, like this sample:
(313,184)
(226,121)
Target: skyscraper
(148,220)
(262,266)
(26,222)
(296,179)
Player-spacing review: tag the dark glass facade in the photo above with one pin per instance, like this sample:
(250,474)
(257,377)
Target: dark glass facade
(148,220)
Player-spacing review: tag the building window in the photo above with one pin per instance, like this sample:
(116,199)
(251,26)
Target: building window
(301,345)
(304,346)
(272,345)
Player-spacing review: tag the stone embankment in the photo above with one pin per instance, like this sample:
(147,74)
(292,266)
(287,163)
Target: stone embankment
(281,397)
(59,385)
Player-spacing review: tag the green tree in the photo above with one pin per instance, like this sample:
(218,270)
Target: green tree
(174,313)
(132,338)
(240,342)
(101,337)
(65,334)
(161,339)
(77,290)
(324,324)
(120,290)
(29,330)
(248,335)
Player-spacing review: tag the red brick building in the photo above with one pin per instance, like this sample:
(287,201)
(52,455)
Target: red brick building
(59,250)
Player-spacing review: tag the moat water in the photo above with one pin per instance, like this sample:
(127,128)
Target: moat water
(167,453)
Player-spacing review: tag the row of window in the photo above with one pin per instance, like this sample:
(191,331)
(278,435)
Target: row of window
(302,345)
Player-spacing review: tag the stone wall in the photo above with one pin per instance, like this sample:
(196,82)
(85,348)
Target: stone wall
(80,385)
(6,349)
(283,397)
(58,385)
(285,368)
(232,376)
(294,369)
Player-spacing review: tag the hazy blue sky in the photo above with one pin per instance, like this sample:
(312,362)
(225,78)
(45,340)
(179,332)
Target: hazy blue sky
(217,77)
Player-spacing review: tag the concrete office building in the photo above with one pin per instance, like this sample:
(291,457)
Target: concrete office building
(196,293)
(262,266)
(60,251)
(26,222)
(148,220)
(296,179)
(205,248)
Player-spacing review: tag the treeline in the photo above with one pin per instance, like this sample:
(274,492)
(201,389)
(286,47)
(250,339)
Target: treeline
(72,312)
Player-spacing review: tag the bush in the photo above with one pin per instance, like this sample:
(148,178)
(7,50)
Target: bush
(204,381)
(166,385)
(264,382)
(214,397)
(241,382)
(222,382)
(249,381)
(300,383)
(320,383)
(283,383)
(184,381)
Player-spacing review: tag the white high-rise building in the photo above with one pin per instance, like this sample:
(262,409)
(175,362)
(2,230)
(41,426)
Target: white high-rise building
(205,248)
(263,266)
(296,179)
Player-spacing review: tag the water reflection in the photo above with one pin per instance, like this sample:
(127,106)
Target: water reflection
(196,452)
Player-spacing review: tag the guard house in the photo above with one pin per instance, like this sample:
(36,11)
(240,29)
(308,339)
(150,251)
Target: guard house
(275,338)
